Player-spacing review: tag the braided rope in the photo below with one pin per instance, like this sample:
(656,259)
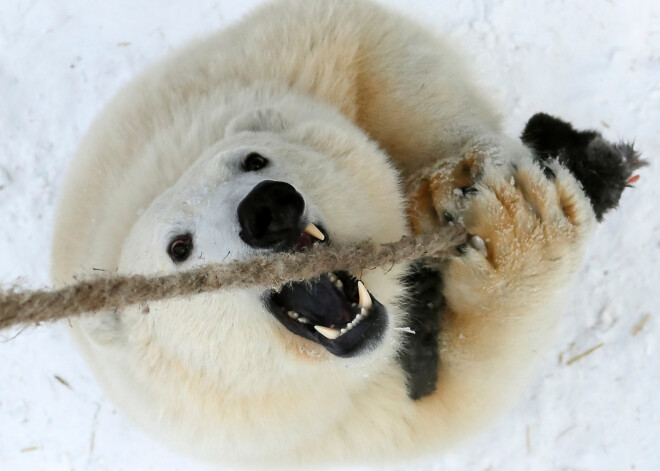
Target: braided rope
(117,292)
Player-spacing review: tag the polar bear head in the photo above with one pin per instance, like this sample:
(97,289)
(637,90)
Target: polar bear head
(237,361)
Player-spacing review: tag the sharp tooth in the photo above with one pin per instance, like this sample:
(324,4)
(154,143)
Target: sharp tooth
(327,332)
(363,312)
(364,297)
(332,277)
(293,314)
(339,284)
(314,231)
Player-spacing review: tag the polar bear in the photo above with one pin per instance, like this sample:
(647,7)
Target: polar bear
(325,122)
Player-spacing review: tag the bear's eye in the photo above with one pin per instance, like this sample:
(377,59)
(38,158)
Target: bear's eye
(180,248)
(253,162)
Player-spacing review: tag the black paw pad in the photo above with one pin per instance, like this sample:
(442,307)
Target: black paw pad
(462,248)
(549,173)
(603,169)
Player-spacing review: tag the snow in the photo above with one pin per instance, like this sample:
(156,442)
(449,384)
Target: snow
(596,64)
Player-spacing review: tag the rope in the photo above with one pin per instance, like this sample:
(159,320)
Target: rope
(117,292)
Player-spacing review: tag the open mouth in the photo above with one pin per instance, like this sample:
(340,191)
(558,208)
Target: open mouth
(309,236)
(334,309)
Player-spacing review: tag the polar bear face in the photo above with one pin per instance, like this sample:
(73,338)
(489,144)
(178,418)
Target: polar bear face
(242,342)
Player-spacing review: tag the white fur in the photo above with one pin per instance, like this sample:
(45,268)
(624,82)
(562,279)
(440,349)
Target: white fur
(347,99)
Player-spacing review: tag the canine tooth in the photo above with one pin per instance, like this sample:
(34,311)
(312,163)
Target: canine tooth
(364,297)
(339,284)
(293,314)
(364,311)
(314,231)
(303,320)
(327,332)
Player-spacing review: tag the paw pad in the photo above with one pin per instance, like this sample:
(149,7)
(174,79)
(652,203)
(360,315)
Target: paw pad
(468,190)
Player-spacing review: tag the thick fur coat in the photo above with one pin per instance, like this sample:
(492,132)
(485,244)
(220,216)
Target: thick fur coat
(348,101)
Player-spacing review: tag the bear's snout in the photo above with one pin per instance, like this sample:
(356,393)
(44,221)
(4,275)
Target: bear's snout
(271,215)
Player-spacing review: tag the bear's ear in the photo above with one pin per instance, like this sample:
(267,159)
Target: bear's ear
(105,328)
(602,168)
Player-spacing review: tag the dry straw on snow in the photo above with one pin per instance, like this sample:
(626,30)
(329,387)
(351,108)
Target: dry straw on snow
(103,293)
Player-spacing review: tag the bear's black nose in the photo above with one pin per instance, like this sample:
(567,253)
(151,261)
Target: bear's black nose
(270,215)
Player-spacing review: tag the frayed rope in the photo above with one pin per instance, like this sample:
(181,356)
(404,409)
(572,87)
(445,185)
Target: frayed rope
(108,293)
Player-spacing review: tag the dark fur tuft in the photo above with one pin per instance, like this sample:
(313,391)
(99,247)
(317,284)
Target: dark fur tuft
(425,304)
(602,168)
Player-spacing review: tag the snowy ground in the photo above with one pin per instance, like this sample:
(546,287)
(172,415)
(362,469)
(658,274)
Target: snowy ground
(596,64)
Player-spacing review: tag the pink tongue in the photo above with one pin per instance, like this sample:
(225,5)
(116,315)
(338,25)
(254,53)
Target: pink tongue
(304,240)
